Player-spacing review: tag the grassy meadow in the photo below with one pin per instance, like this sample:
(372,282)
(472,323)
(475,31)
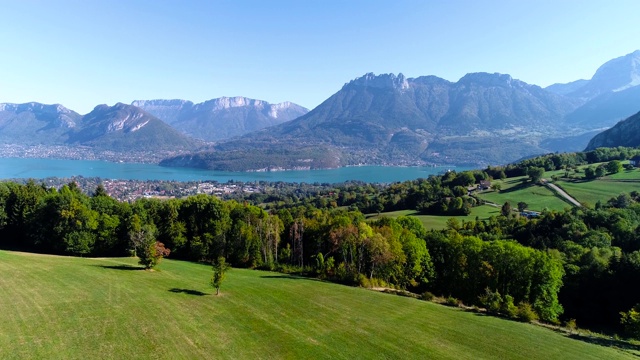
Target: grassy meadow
(440,222)
(602,189)
(537,197)
(70,308)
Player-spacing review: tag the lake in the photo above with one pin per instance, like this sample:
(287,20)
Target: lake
(12,168)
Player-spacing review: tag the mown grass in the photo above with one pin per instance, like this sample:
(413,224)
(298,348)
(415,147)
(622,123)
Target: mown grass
(537,197)
(590,192)
(602,189)
(440,222)
(71,308)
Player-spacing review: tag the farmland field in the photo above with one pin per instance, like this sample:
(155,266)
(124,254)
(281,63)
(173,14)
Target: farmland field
(602,189)
(440,222)
(536,196)
(65,307)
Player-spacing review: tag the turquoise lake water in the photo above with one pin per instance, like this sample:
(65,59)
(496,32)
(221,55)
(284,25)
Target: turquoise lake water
(11,168)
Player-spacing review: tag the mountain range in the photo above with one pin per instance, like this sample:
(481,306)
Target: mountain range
(221,118)
(107,128)
(146,126)
(483,118)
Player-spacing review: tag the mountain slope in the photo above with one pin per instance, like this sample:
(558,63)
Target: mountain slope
(393,119)
(35,123)
(221,118)
(611,95)
(625,133)
(615,75)
(127,128)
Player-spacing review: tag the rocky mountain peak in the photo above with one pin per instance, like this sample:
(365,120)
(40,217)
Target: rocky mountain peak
(613,76)
(381,81)
(489,79)
(160,102)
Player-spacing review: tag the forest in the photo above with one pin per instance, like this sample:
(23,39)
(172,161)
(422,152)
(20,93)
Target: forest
(575,265)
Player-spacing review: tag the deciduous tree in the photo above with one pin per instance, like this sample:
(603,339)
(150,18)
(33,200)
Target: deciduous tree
(220,268)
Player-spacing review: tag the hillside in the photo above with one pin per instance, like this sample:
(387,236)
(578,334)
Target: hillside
(221,118)
(106,308)
(392,119)
(625,133)
(35,123)
(611,95)
(127,128)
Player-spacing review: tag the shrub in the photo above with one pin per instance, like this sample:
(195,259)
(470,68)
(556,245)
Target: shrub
(451,301)
(630,321)
(571,325)
(526,313)
(427,296)
(492,301)
(508,308)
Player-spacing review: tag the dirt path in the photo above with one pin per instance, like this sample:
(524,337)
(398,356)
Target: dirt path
(563,194)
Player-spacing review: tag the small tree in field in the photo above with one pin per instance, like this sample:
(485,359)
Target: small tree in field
(148,250)
(506,209)
(220,267)
(522,206)
(151,254)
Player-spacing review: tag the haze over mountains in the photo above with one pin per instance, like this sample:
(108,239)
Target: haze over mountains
(482,118)
(221,118)
(110,128)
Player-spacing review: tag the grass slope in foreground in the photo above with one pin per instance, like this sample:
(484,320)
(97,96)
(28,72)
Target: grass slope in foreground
(63,307)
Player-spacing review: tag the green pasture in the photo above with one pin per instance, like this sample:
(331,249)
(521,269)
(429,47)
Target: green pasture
(538,197)
(440,222)
(589,192)
(77,308)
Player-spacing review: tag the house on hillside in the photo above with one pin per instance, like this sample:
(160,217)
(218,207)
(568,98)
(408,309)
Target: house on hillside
(635,161)
(484,185)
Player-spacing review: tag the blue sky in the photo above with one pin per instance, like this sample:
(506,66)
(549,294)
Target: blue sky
(83,53)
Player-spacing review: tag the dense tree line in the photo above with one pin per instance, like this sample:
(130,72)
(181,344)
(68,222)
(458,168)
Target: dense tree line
(336,244)
(575,264)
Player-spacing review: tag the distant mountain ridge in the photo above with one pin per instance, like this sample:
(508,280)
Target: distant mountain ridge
(389,118)
(221,118)
(123,127)
(612,94)
(483,118)
(109,128)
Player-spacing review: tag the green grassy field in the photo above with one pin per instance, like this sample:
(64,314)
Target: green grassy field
(440,222)
(602,189)
(71,308)
(590,192)
(536,196)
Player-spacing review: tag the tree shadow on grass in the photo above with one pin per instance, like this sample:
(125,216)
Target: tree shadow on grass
(516,187)
(188,292)
(120,267)
(608,342)
(289,277)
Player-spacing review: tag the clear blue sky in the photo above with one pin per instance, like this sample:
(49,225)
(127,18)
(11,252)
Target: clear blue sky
(81,53)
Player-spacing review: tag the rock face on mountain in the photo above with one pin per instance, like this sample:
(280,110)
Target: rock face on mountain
(35,123)
(625,133)
(124,127)
(482,118)
(221,118)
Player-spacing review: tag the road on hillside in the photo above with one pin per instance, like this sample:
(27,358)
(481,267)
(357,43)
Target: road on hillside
(562,193)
